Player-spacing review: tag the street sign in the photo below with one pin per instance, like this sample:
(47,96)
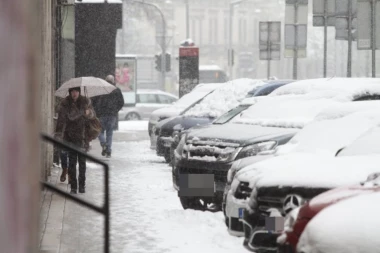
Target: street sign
(188,69)
(364,25)
(270,40)
(342,14)
(296,28)
(319,12)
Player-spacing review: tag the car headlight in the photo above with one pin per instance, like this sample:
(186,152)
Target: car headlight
(254,149)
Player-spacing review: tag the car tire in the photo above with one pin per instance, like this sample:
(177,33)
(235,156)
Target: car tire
(132,116)
(191,203)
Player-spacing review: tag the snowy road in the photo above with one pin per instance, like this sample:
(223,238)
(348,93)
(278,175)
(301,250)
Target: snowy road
(146,213)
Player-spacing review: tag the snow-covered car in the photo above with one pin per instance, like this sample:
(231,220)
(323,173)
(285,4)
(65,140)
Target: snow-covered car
(221,100)
(267,88)
(210,151)
(296,222)
(282,184)
(350,226)
(327,142)
(199,92)
(143,103)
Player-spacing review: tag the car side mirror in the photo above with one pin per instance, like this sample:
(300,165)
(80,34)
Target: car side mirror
(337,152)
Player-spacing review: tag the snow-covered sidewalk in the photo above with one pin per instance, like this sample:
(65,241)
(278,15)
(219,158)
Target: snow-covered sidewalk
(146,215)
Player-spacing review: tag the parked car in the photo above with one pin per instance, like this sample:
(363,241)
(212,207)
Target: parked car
(349,226)
(327,142)
(263,90)
(203,151)
(199,92)
(268,88)
(296,222)
(285,186)
(176,126)
(221,100)
(140,105)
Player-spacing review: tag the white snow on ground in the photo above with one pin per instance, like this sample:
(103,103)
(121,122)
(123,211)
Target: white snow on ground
(139,125)
(228,96)
(350,226)
(146,214)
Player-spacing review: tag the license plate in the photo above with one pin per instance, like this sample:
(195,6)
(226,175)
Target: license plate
(275,224)
(197,185)
(241,213)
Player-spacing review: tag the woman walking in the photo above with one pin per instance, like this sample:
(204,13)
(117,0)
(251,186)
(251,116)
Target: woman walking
(73,113)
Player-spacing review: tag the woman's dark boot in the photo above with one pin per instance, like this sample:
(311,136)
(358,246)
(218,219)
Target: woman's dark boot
(63,175)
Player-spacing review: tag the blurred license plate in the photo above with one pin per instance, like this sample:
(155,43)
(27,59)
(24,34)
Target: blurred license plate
(274,224)
(196,185)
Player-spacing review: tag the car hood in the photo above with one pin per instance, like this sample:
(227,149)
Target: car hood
(167,112)
(184,122)
(242,134)
(314,171)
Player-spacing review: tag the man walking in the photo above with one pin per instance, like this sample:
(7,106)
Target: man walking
(107,108)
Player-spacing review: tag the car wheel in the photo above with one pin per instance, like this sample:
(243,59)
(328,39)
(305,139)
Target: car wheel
(191,203)
(132,116)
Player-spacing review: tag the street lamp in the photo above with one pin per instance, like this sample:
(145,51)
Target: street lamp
(232,4)
(163,43)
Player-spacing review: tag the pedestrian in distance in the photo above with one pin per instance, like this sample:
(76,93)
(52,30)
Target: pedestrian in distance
(107,108)
(73,114)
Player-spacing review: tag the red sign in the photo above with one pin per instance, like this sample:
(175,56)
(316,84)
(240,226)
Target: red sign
(189,51)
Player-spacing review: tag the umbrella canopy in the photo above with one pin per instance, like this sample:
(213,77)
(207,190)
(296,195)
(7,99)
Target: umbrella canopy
(90,86)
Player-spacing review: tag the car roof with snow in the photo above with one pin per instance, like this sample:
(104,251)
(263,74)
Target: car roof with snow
(223,98)
(325,231)
(297,106)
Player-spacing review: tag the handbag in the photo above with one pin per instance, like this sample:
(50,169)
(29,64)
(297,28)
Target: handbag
(93,129)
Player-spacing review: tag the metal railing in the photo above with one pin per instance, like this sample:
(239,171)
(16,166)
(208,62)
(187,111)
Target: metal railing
(105,209)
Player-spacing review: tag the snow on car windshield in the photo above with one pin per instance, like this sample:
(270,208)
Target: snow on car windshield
(285,111)
(328,135)
(196,94)
(223,99)
(366,144)
(324,232)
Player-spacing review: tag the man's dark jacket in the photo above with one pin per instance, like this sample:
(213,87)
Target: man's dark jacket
(109,104)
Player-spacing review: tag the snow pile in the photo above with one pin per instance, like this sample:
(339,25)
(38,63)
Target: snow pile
(344,227)
(223,99)
(140,125)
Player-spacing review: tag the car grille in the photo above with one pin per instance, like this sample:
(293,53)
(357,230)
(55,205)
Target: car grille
(208,152)
(273,197)
(219,175)
(243,190)
(264,203)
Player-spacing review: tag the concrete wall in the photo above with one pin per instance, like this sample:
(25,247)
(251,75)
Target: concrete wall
(47,82)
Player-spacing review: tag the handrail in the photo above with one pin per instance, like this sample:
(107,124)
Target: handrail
(105,209)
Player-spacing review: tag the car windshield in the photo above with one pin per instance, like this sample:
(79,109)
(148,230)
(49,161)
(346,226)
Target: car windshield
(212,76)
(129,97)
(191,98)
(230,114)
(367,144)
